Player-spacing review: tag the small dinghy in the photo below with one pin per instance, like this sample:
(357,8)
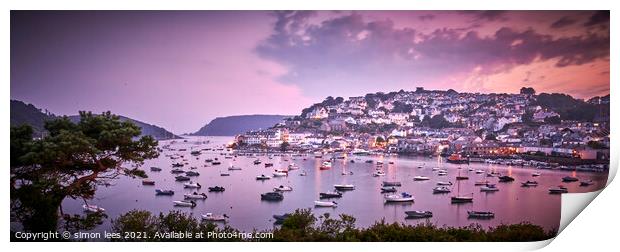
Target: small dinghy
(329,195)
(420,178)
(479,171)
(155,169)
(192,185)
(184,203)
(214,217)
(217,189)
(195,195)
(586,183)
(319,203)
(506,179)
(182,178)
(293,166)
(163,192)
(444,183)
(378,173)
(257,162)
(558,190)
(569,179)
(224,174)
(216,163)
(262,177)
(529,183)
(344,187)
(192,174)
(489,188)
(148,182)
(303,173)
(234,168)
(282,188)
(536,174)
(391,183)
(268,164)
(272,196)
(441,189)
(418,214)
(92,208)
(388,189)
(480,214)
(403,197)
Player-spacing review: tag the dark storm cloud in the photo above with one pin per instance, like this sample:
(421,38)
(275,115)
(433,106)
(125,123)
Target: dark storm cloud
(563,22)
(598,18)
(487,15)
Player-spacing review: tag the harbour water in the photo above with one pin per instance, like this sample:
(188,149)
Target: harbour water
(241,199)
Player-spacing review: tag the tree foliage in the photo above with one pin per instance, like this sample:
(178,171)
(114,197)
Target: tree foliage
(70,162)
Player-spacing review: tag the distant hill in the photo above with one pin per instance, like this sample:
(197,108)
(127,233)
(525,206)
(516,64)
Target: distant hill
(233,125)
(22,113)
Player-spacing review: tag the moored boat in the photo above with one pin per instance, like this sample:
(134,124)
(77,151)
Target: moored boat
(441,189)
(529,183)
(163,192)
(558,190)
(388,189)
(181,178)
(262,177)
(569,179)
(214,217)
(217,189)
(192,174)
(586,183)
(506,178)
(344,187)
(272,196)
(444,183)
(403,197)
(391,183)
(481,183)
(328,195)
(419,214)
(420,178)
(155,169)
(184,203)
(195,195)
(148,182)
(326,165)
(489,188)
(192,185)
(480,214)
(279,174)
(319,203)
(282,188)
(378,173)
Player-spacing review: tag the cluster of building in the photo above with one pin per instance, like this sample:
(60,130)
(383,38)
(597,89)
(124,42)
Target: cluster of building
(437,122)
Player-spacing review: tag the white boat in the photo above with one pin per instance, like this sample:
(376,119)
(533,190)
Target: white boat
(435,168)
(279,174)
(441,189)
(214,217)
(282,188)
(536,174)
(303,173)
(326,165)
(481,183)
(489,188)
(479,171)
(234,168)
(444,183)
(344,187)
(529,183)
(403,197)
(293,166)
(184,203)
(92,208)
(420,178)
(195,195)
(442,173)
(378,173)
(319,203)
(192,185)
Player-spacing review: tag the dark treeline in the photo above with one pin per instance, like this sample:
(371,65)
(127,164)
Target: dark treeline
(303,226)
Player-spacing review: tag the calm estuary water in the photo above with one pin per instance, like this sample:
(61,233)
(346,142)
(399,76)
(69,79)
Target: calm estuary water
(241,200)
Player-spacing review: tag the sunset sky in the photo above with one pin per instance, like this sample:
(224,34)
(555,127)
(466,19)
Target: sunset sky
(180,69)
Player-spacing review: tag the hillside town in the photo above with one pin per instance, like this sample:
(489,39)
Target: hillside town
(461,126)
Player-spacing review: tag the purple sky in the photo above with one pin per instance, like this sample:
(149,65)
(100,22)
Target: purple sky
(180,69)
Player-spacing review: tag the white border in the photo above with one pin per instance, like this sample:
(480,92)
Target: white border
(595,229)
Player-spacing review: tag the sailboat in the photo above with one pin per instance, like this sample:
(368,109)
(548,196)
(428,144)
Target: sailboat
(458,198)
